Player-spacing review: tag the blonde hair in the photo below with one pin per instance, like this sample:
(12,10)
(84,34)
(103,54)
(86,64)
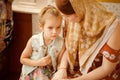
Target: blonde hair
(47,11)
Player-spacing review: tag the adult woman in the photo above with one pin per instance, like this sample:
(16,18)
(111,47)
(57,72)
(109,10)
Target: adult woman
(92,41)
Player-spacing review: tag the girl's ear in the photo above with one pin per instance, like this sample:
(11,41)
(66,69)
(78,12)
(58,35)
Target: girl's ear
(41,26)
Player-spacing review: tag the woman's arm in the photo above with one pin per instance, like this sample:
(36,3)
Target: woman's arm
(100,72)
(64,61)
(107,66)
(26,54)
(62,69)
(61,54)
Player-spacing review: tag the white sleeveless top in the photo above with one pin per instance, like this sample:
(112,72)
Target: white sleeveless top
(39,51)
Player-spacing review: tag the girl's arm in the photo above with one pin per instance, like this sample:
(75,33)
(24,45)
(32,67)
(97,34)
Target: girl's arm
(26,54)
(107,66)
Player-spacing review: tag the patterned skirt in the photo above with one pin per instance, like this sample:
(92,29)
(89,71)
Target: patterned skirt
(38,74)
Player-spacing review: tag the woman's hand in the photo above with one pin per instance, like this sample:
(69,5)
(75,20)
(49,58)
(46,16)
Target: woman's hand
(60,74)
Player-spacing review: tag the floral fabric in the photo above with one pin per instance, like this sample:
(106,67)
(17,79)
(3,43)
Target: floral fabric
(98,62)
(37,74)
(113,56)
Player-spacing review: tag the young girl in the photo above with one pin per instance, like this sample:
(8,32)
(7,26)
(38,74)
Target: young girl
(42,52)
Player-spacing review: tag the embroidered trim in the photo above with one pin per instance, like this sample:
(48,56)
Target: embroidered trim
(111,54)
(108,55)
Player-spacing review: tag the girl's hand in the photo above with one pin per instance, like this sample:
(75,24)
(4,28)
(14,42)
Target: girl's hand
(60,74)
(45,61)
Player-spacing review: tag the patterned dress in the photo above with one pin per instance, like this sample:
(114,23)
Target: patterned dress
(39,51)
(110,54)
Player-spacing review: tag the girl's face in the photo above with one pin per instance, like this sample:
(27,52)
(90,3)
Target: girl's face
(52,27)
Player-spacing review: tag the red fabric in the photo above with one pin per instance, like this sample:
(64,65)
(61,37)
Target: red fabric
(112,53)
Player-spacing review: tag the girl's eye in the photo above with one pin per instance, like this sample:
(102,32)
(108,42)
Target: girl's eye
(50,27)
(53,27)
(58,27)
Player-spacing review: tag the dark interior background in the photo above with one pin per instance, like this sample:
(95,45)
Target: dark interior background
(22,31)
